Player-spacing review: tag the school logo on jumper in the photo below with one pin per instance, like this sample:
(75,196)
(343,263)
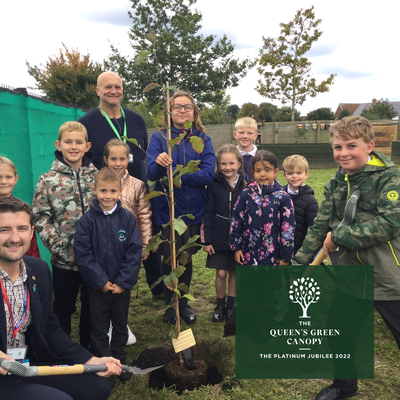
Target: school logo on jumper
(122,235)
(304,291)
(392,195)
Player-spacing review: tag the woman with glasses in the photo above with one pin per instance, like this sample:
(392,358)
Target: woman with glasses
(190,197)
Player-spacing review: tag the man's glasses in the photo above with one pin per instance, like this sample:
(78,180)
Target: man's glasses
(187,107)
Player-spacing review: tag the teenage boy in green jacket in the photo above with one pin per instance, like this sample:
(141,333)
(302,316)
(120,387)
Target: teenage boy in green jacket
(373,238)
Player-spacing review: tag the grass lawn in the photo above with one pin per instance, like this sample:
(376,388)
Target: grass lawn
(151,331)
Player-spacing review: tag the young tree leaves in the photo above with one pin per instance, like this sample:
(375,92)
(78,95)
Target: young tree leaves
(197,143)
(151,195)
(150,87)
(141,56)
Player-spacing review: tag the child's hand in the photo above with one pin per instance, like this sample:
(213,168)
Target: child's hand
(163,159)
(118,289)
(209,249)
(281,262)
(239,257)
(107,287)
(146,256)
(329,246)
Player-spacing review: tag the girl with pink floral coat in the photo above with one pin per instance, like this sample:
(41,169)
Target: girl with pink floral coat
(263,222)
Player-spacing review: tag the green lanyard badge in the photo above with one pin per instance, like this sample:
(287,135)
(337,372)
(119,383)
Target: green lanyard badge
(113,126)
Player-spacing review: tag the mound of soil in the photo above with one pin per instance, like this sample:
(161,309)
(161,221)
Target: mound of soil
(154,357)
(178,376)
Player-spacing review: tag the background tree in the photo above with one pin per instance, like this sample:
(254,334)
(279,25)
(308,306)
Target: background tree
(203,66)
(344,113)
(320,114)
(233,110)
(266,112)
(217,113)
(286,73)
(382,109)
(286,114)
(248,110)
(68,78)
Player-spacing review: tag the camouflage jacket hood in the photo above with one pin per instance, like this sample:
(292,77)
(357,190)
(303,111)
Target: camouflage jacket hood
(373,237)
(62,196)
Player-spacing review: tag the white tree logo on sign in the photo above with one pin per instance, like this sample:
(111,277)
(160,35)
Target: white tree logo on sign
(304,291)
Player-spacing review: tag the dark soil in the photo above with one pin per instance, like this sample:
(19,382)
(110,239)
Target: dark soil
(230,326)
(154,357)
(183,379)
(187,379)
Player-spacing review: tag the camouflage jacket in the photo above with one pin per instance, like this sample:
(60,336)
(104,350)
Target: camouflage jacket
(373,238)
(62,196)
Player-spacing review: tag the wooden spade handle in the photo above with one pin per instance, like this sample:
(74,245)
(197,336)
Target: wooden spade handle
(56,370)
(319,258)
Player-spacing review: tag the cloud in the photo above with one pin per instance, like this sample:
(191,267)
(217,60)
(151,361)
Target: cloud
(111,17)
(319,50)
(346,73)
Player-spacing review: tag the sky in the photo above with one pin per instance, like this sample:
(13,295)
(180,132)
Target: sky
(359,41)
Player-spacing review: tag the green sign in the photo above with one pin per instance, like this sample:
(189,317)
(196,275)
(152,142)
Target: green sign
(293,327)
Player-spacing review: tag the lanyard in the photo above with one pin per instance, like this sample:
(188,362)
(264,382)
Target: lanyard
(15,328)
(112,125)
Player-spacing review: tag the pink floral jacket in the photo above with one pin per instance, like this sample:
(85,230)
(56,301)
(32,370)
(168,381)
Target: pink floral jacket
(263,225)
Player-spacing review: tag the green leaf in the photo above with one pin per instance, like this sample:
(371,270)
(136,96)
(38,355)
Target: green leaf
(169,280)
(161,311)
(175,141)
(191,167)
(164,181)
(190,216)
(141,56)
(178,168)
(160,279)
(154,242)
(178,181)
(183,257)
(190,244)
(166,225)
(179,225)
(151,37)
(150,87)
(189,296)
(151,195)
(131,140)
(179,270)
(188,124)
(197,143)
(173,88)
(177,292)
(183,287)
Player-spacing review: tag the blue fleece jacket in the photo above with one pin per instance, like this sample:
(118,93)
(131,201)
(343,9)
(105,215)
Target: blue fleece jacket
(108,247)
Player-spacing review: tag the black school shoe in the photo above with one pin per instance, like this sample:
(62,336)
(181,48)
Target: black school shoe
(187,314)
(219,314)
(125,376)
(170,316)
(335,393)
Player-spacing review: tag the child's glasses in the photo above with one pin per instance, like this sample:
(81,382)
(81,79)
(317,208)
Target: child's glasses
(187,107)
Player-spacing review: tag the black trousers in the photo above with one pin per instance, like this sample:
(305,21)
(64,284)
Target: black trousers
(390,312)
(106,307)
(61,387)
(66,285)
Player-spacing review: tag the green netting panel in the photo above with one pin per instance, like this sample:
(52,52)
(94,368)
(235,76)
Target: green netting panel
(28,129)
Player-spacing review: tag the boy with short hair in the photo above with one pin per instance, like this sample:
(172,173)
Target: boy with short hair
(295,171)
(108,251)
(62,196)
(246,133)
(373,238)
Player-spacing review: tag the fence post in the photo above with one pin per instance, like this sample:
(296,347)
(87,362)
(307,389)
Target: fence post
(276,129)
(318,131)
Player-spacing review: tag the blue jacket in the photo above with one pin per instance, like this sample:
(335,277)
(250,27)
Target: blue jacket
(263,225)
(191,197)
(47,342)
(108,247)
